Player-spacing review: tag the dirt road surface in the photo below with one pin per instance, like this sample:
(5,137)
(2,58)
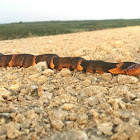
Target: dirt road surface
(39,103)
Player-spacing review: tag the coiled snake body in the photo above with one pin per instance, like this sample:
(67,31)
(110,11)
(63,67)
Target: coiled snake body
(55,62)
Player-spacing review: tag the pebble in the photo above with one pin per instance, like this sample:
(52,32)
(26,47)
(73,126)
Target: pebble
(2,121)
(57,114)
(86,82)
(82,119)
(57,124)
(65,73)
(125,79)
(48,72)
(4,92)
(32,115)
(41,66)
(34,76)
(33,87)
(45,98)
(106,128)
(114,103)
(107,76)
(19,118)
(73,117)
(15,87)
(68,107)
(95,114)
(13,130)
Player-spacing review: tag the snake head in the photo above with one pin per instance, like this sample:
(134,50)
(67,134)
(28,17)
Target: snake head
(133,70)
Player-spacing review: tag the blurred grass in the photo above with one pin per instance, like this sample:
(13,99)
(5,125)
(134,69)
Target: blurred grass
(30,29)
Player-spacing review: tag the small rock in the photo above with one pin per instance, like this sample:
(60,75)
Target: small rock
(117,121)
(99,133)
(32,115)
(20,98)
(40,91)
(73,117)
(13,130)
(2,130)
(34,76)
(68,107)
(114,103)
(106,76)
(95,114)
(57,124)
(119,90)
(61,91)
(122,105)
(118,42)
(127,131)
(92,101)
(45,98)
(2,121)
(4,92)
(125,79)
(69,124)
(65,72)
(41,66)
(83,119)
(48,72)
(106,128)
(23,91)
(57,114)
(39,129)
(2,137)
(33,87)
(41,79)
(117,103)
(120,136)
(15,87)
(19,118)
(134,122)
(86,82)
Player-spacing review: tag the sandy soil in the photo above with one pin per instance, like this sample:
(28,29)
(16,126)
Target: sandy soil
(38,103)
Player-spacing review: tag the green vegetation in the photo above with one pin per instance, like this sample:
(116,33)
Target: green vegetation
(29,29)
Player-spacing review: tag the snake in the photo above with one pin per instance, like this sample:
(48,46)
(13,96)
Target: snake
(72,63)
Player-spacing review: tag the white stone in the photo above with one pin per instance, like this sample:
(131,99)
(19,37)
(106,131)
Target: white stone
(33,87)
(41,66)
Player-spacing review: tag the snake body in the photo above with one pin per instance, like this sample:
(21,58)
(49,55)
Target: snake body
(55,62)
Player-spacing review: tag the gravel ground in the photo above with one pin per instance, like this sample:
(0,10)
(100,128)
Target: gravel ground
(39,103)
